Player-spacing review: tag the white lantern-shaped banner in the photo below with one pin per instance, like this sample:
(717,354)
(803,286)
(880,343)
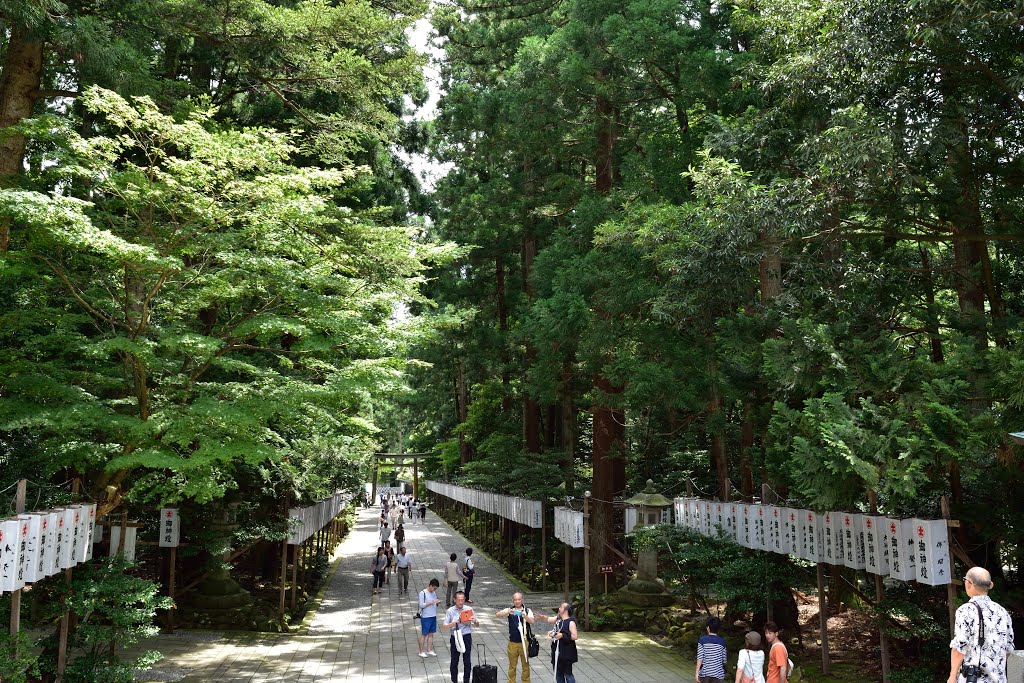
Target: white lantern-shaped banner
(9,554)
(169,528)
(33,548)
(931,539)
(853,541)
(876,551)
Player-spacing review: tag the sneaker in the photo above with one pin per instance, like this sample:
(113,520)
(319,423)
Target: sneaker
(468,601)
(431,653)
(424,655)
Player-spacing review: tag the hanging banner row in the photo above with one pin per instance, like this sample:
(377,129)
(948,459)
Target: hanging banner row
(521,510)
(569,527)
(40,544)
(905,549)
(304,522)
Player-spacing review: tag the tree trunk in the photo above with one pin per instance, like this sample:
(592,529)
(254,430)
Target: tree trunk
(716,429)
(531,409)
(22,74)
(462,405)
(746,445)
(506,396)
(770,268)
(568,428)
(609,471)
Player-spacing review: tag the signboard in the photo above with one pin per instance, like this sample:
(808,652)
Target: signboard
(9,556)
(33,548)
(22,541)
(900,558)
(811,536)
(759,540)
(68,537)
(853,540)
(170,528)
(745,530)
(732,522)
(569,527)
(789,530)
(607,569)
(931,546)
(876,552)
(831,545)
(88,533)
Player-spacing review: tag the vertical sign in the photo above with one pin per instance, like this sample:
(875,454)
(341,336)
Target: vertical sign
(901,553)
(89,533)
(22,547)
(831,548)
(170,528)
(9,556)
(67,526)
(774,528)
(746,529)
(732,521)
(853,541)
(931,539)
(760,539)
(56,519)
(789,530)
(876,554)
(33,549)
(718,518)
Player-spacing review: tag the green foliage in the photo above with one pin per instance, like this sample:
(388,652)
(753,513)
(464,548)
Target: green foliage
(114,610)
(18,661)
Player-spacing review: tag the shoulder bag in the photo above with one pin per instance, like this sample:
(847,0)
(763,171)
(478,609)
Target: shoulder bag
(745,675)
(532,644)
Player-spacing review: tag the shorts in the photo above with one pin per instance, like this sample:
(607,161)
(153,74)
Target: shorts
(428,625)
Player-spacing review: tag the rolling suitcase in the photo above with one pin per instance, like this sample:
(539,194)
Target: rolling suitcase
(485,673)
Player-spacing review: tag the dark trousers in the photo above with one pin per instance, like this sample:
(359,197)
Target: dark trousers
(467,664)
(469,584)
(378,579)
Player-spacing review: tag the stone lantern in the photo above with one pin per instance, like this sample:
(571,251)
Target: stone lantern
(646,589)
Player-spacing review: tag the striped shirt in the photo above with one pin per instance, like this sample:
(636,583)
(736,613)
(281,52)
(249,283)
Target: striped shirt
(711,653)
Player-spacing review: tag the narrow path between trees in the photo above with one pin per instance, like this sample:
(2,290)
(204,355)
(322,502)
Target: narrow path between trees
(358,638)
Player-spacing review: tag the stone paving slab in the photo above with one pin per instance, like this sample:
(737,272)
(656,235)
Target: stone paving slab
(356,637)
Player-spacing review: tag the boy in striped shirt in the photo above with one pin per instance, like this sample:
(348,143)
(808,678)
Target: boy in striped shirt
(711,654)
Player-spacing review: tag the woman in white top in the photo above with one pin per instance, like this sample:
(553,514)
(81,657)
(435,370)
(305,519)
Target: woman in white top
(750,665)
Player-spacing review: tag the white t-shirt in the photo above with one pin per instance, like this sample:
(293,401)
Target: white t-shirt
(402,561)
(752,661)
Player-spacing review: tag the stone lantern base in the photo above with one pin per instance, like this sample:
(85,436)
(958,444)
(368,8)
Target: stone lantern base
(646,589)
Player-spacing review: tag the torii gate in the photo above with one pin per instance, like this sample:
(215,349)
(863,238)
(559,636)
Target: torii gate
(398,457)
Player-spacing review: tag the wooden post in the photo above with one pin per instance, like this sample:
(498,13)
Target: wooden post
(284,564)
(171,576)
(373,489)
(950,587)
(769,608)
(295,575)
(65,619)
(19,508)
(823,619)
(879,597)
(568,553)
(689,488)
(415,477)
(586,560)
(543,548)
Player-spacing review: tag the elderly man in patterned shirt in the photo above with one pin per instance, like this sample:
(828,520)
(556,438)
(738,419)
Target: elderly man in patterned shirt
(984,647)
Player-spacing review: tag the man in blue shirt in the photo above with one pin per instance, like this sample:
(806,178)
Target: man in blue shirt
(711,654)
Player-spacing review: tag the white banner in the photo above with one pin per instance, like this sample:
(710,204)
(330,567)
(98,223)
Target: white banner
(33,548)
(900,557)
(520,510)
(9,556)
(746,526)
(931,545)
(853,541)
(88,532)
(128,549)
(569,527)
(876,552)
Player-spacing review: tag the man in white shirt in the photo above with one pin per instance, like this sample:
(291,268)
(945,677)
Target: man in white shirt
(460,617)
(468,569)
(983,633)
(403,562)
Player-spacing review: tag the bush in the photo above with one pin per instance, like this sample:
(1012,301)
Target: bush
(113,609)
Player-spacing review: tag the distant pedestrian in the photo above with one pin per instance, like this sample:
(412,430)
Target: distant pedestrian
(403,564)
(385,533)
(778,655)
(711,654)
(423,512)
(400,535)
(393,516)
(383,517)
(451,578)
(428,618)
(390,552)
(378,566)
(519,618)
(563,643)
(750,665)
(468,569)
(459,617)
(980,616)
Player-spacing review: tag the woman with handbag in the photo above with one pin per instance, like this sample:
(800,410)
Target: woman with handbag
(750,665)
(563,643)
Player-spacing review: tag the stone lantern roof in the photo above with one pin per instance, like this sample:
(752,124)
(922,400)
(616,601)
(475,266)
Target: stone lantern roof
(649,498)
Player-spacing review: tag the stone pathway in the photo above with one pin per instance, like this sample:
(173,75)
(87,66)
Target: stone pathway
(359,638)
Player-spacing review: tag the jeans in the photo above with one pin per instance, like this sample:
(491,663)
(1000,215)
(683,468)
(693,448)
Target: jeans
(563,674)
(469,584)
(467,665)
(378,579)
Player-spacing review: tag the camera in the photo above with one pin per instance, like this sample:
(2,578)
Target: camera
(971,672)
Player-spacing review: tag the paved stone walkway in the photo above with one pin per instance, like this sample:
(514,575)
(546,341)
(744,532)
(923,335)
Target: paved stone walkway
(359,638)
